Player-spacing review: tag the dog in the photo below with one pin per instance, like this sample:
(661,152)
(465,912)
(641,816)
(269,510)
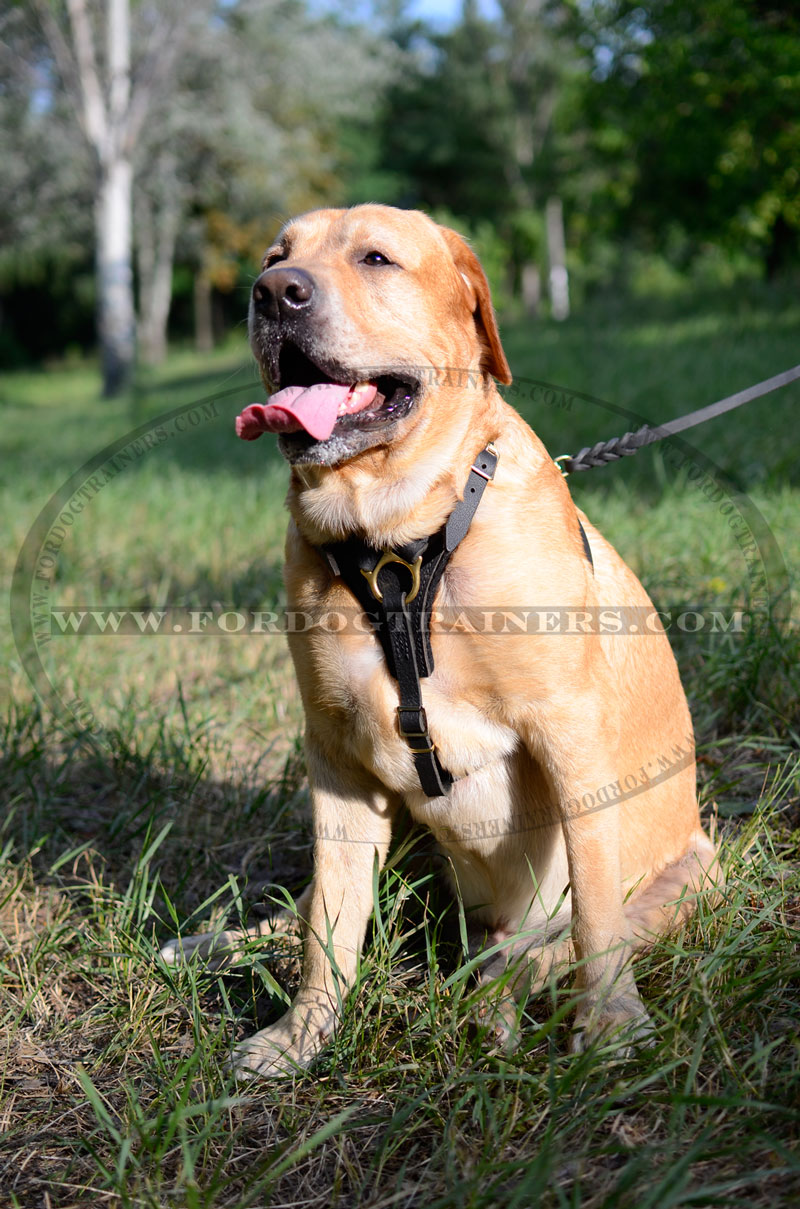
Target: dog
(565,802)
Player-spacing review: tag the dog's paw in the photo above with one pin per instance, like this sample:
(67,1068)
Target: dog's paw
(617,1020)
(283,1050)
(216,950)
(496,1022)
(220,950)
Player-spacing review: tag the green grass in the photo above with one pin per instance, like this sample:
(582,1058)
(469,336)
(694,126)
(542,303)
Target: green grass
(187,805)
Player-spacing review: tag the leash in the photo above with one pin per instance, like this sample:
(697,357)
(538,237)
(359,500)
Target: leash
(398,607)
(618,447)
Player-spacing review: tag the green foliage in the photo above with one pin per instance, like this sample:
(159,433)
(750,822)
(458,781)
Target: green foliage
(697,106)
(445,124)
(669,131)
(471,126)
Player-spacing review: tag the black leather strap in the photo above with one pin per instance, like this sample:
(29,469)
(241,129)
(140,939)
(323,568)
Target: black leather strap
(402,626)
(587,549)
(396,588)
(460,518)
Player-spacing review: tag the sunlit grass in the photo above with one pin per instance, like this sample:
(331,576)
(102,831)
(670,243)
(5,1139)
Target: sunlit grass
(187,806)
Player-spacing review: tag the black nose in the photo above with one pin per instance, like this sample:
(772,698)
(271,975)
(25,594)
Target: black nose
(283,291)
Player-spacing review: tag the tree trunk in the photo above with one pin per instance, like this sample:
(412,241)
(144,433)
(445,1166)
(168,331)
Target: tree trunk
(531,286)
(115,310)
(203,314)
(155,238)
(160,302)
(783,249)
(112,108)
(557,257)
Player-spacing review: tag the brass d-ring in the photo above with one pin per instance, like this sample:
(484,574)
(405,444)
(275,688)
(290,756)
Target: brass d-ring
(389,556)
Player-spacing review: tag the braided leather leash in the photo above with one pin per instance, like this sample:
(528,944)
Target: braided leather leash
(619,447)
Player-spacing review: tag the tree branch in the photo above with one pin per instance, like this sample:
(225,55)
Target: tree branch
(118,43)
(165,43)
(94,109)
(63,57)
(155,71)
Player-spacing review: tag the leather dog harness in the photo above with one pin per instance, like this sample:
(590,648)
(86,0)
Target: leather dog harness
(396,589)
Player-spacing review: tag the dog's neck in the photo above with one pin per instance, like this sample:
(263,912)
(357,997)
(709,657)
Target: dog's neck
(392,494)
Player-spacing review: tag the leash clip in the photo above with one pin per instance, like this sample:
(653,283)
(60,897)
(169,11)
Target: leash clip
(563,457)
(387,557)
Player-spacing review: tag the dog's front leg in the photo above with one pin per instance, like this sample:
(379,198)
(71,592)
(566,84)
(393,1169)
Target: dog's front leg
(610,1005)
(580,753)
(352,832)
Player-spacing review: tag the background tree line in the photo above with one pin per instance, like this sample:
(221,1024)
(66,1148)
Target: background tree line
(150,149)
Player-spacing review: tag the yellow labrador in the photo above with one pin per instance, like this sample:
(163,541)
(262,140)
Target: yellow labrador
(554,761)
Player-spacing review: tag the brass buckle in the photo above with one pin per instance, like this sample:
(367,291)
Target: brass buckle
(415,734)
(412,709)
(563,457)
(389,556)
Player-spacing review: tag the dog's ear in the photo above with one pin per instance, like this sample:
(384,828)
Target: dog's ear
(494,359)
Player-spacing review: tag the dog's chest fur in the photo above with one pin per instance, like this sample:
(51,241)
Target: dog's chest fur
(361,698)
(484,823)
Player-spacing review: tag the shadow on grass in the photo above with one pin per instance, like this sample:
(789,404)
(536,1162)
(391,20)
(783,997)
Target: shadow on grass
(248,832)
(258,586)
(154,389)
(112,795)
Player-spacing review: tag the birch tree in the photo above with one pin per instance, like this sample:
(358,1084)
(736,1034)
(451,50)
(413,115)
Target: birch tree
(249,134)
(44,184)
(195,126)
(91,45)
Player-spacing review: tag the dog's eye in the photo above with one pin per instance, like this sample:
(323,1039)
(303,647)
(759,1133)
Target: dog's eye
(274,257)
(376,258)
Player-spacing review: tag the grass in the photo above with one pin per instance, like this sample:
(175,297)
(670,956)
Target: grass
(187,805)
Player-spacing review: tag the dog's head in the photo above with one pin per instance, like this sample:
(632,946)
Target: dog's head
(355,317)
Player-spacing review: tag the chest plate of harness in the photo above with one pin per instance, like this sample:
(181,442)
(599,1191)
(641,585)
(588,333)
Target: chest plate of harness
(396,588)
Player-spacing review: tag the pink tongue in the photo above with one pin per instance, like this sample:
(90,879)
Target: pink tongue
(313,408)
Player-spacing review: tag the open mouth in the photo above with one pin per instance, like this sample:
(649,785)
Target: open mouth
(313,401)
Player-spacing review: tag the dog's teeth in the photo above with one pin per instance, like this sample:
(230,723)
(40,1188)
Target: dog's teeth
(351,402)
